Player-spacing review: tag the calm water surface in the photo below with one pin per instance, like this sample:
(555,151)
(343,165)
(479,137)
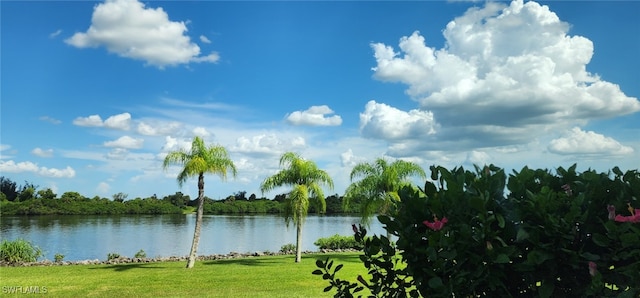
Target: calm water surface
(93,237)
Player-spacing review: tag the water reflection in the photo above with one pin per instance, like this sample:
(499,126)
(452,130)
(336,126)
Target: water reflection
(93,237)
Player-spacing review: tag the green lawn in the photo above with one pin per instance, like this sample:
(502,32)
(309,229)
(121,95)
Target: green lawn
(270,276)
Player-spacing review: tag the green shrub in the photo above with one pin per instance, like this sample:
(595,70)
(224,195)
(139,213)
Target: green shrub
(58,258)
(338,242)
(288,248)
(112,255)
(141,254)
(19,250)
(567,234)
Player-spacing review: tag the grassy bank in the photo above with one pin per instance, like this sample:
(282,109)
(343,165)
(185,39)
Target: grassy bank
(271,276)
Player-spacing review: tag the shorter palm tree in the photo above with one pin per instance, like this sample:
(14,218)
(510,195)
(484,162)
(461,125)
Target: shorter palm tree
(305,179)
(199,160)
(379,183)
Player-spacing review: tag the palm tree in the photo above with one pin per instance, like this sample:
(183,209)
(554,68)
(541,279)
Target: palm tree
(379,184)
(305,178)
(199,160)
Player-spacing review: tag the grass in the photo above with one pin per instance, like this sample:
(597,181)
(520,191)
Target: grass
(269,276)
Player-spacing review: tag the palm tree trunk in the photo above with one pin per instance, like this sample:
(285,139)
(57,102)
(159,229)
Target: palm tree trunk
(196,232)
(298,241)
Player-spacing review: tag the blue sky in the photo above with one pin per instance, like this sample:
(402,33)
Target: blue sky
(94,94)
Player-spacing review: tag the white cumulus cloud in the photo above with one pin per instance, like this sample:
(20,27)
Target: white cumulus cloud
(479,158)
(158,128)
(348,159)
(117,154)
(91,121)
(267,144)
(175,144)
(125,142)
(204,39)
(201,132)
(507,74)
(314,116)
(26,166)
(119,121)
(383,121)
(103,188)
(581,142)
(42,152)
(130,29)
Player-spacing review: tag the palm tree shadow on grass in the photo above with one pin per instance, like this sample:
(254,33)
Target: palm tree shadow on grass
(267,261)
(125,267)
(339,258)
(241,261)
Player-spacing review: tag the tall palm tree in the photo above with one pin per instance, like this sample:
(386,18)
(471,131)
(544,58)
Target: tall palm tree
(197,161)
(305,179)
(379,184)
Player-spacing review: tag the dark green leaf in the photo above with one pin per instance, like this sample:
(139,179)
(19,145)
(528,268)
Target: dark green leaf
(521,235)
(546,289)
(477,204)
(435,282)
(630,239)
(430,189)
(327,289)
(589,256)
(502,259)
(338,268)
(601,240)
(317,272)
(617,171)
(500,219)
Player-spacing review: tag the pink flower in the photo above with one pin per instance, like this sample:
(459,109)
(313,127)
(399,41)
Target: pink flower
(612,211)
(593,268)
(567,189)
(635,217)
(436,225)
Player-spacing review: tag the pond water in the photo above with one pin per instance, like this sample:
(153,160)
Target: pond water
(93,237)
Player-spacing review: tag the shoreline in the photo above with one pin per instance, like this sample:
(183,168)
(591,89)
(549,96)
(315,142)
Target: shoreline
(127,260)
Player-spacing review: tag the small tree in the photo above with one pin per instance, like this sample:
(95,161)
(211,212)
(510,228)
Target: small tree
(305,179)
(379,184)
(199,160)
(27,194)
(47,194)
(120,197)
(8,188)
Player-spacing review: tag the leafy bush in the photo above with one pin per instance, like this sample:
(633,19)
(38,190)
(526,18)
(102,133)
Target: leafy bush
(288,248)
(141,254)
(338,242)
(112,255)
(58,258)
(551,235)
(380,257)
(19,250)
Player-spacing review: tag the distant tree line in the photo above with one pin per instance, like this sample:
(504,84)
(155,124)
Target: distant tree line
(28,199)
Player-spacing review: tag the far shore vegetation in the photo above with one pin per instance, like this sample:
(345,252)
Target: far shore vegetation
(29,199)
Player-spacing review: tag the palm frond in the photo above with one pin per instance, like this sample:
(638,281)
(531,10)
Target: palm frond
(379,183)
(200,159)
(306,180)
